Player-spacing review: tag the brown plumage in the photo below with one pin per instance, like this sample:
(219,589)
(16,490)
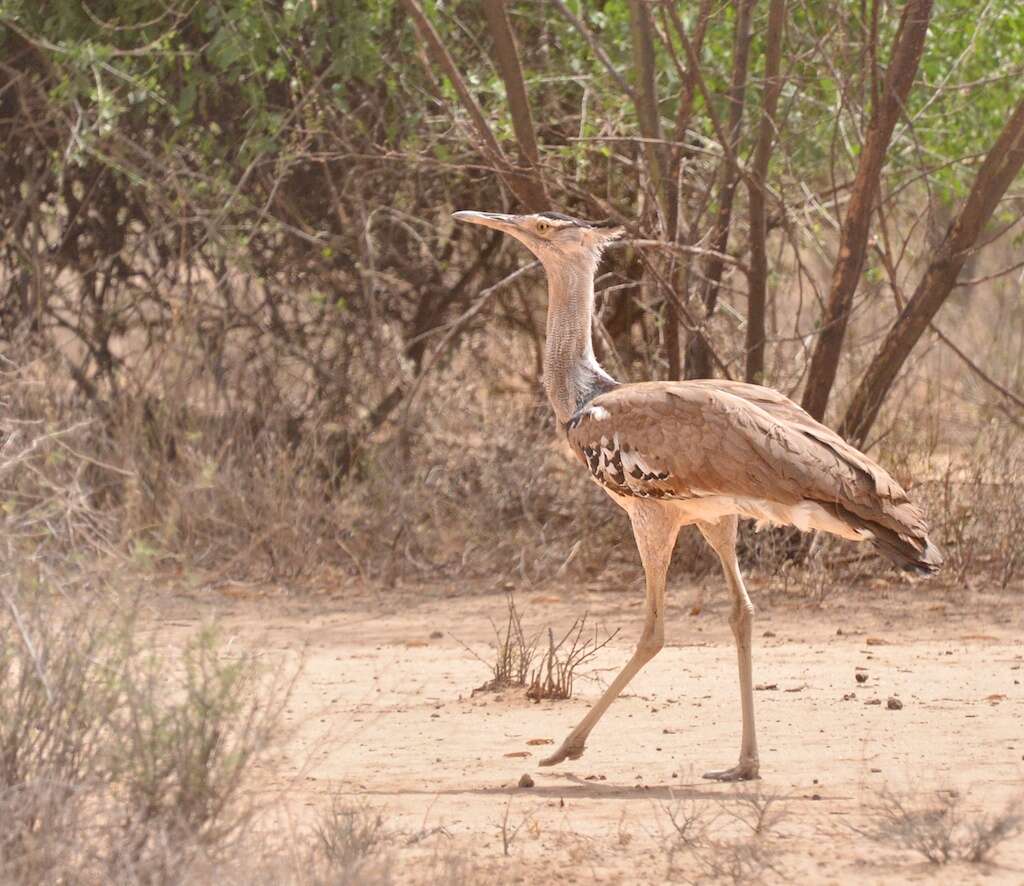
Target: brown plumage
(719,445)
(703,452)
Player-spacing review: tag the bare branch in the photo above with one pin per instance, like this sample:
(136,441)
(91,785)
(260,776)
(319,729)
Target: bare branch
(908,46)
(507,58)
(1002,165)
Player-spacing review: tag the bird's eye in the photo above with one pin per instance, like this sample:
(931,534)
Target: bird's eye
(542,227)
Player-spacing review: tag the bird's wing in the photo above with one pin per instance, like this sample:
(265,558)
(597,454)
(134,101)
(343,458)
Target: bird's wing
(780,407)
(688,440)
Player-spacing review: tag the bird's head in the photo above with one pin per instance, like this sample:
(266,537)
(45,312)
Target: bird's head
(559,241)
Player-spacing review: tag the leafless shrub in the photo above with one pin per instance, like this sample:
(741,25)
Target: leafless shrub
(514,653)
(508,831)
(351,845)
(758,809)
(554,677)
(700,849)
(747,861)
(938,827)
(690,817)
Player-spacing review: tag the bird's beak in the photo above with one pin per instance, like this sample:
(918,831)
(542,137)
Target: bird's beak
(497,220)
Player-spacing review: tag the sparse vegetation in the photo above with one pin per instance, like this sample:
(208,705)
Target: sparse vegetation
(241,341)
(513,652)
(701,848)
(118,761)
(939,826)
(351,845)
(509,830)
(554,677)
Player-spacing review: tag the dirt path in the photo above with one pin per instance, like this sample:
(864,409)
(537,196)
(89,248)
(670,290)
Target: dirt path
(383,713)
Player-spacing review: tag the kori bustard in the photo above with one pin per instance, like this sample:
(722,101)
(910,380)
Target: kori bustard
(704,452)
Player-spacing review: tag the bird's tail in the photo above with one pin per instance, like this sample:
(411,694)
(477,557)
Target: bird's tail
(923,560)
(911,552)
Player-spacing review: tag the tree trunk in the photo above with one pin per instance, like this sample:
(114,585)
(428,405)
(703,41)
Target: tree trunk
(645,100)
(757,283)
(507,58)
(908,46)
(524,186)
(698,359)
(1002,165)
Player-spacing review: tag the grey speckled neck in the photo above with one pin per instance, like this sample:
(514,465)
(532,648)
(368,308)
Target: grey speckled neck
(572,376)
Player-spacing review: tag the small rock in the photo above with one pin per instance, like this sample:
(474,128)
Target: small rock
(873,701)
(894,704)
(876,641)
(839,632)
(525,781)
(436,635)
(861,678)
(815,796)
(768,634)
(766,687)
(849,696)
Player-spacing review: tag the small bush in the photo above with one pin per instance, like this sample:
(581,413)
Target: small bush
(939,828)
(554,678)
(701,847)
(117,763)
(350,845)
(514,653)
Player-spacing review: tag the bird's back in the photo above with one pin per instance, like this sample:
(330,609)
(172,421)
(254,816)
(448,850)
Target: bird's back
(748,447)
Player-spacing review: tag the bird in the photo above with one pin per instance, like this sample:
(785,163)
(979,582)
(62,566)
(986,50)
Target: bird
(706,452)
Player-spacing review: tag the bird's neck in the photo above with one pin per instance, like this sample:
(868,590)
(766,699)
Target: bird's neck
(572,375)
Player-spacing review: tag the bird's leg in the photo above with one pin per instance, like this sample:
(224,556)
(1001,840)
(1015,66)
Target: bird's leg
(722,537)
(655,531)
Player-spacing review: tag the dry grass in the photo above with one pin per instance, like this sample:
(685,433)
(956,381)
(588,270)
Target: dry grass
(119,763)
(939,827)
(513,655)
(351,845)
(557,671)
(464,491)
(704,847)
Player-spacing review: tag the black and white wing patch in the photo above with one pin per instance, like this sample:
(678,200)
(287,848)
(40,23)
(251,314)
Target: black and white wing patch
(613,462)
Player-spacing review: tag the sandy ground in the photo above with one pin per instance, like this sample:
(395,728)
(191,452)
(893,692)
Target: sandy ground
(383,712)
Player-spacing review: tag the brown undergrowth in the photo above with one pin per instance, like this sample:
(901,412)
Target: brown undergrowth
(463,491)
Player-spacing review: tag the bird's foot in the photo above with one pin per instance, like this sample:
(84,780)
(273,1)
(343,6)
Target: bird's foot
(565,752)
(745,770)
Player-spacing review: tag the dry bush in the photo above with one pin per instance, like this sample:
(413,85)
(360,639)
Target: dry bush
(700,847)
(155,487)
(938,827)
(119,764)
(469,490)
(351,845)
(513,655)
(554,677)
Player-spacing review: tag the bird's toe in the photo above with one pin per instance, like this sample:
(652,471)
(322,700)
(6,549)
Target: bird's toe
(740,772)
(572,752)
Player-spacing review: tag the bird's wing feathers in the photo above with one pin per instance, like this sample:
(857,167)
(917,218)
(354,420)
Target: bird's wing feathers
(785,410)
(686,440)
